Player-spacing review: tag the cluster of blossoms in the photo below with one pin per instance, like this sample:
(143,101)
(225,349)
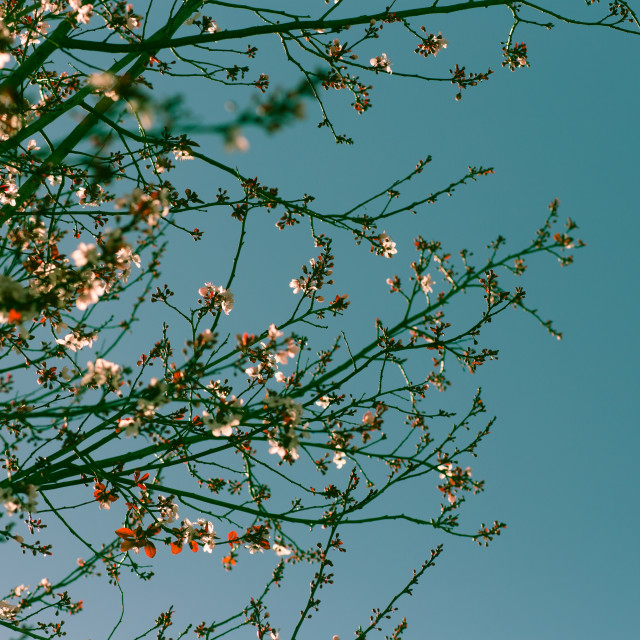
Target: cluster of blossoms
(226,418)
(284,440)
(149,207)
(14,504)
(146,408)
(208,25)
(75,341)
(270,356)
(313,278)
(93,290)
(431,44)
(339,457)
(85,254)
(383,245)
(103,373)
(131,426)
(168,509)
(456,478)
(194,534)
(93,196)
(182,154)
(336,49)
(55,284)
(381,62)
(105,84)
(8,611)
(516,56)
(216,298)
(84,12)
(281,550)
(124,258)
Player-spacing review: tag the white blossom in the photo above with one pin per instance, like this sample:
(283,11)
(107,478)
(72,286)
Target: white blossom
(75,343)
(381,62)
(426,283)
(102,372)
(217,297)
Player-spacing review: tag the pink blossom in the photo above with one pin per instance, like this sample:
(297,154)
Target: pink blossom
(273,332)
(85,254)
(368,418)
(290,351)
(91,293)
(217,297)
(381,62)
(84,12)
(75,343)
(388,245)
(102,372)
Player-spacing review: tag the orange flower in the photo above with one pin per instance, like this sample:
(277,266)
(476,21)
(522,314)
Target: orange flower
(138,539)
(229,561)
(103,496)
(176,547)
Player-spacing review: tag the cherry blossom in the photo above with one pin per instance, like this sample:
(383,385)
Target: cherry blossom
(90,293)
(85,254)
(291,450)
(45,584)
(84,12)
(217,297)
(149,206)
(426,283)
(224,428)
(339,458)
(281,550)
(168,509)
(7,610)
(74,343)
(192,533)
(182,154)
(124,259)
(273,332)
(102,372)
(131,426)
(388,245)
(368,418)
(381,62)
(290,351)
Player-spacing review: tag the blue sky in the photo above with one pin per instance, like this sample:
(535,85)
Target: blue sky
(559,465)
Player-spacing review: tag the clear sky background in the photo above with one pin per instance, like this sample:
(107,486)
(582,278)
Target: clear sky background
(560,463)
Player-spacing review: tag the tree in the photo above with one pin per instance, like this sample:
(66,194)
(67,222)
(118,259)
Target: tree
(265,435)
